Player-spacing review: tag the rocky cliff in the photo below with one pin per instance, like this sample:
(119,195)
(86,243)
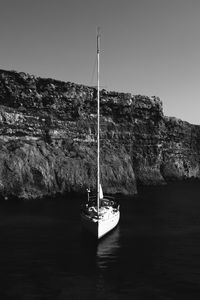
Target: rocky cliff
(48,139)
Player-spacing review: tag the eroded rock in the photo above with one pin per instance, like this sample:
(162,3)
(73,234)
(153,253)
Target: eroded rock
(48,139)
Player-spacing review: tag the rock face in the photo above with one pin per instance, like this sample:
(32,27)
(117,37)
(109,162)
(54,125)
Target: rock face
(48,139)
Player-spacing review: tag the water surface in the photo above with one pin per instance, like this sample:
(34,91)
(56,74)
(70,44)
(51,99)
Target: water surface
(154,253)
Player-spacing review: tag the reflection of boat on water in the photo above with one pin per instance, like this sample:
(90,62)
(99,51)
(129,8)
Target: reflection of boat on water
(102,251)
(107,247)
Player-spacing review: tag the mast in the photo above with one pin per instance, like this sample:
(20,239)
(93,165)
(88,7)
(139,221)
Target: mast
(98,121)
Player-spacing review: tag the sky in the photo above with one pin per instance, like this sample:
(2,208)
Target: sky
(148,47)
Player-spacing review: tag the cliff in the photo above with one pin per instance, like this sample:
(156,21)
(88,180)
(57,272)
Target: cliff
(48,132)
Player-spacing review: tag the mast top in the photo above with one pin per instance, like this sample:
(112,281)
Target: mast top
(98,39)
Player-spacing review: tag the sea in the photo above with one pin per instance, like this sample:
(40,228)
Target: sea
(154,253)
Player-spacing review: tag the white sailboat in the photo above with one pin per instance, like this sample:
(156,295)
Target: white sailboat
(100,214)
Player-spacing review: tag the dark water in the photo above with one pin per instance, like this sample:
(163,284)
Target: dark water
(154,253)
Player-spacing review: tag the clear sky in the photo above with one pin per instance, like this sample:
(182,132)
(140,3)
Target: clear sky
(148,47)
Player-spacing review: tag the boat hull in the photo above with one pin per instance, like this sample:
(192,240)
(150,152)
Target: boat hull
(100,227)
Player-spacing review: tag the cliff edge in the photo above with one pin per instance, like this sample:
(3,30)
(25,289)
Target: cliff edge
(48,139)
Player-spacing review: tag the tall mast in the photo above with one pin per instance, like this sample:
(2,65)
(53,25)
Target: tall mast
(98,121)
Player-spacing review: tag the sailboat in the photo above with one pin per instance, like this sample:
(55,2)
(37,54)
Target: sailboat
(100,214)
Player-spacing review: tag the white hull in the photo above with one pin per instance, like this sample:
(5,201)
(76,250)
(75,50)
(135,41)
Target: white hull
(100,227)
(97,218)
